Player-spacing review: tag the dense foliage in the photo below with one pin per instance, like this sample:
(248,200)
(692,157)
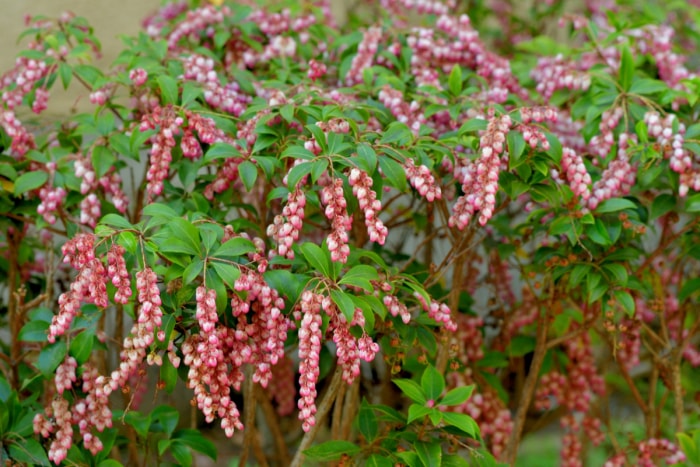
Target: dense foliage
(414,241)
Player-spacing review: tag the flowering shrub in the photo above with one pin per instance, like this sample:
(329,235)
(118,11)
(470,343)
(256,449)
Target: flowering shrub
(410,242)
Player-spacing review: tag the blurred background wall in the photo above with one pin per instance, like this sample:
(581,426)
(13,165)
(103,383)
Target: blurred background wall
(109,18)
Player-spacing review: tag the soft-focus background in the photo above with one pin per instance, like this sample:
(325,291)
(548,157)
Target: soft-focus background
(110,19)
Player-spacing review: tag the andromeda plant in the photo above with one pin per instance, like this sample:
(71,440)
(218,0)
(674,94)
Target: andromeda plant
(408,242)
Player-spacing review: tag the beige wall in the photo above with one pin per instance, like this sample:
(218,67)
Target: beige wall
(110,19)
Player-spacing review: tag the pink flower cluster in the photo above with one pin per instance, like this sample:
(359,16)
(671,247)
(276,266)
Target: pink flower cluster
(575,172)
(22,140)
(366,51)
(26,73)
(333,199)
(286,232)
(404,112)
(110,183)
(602,142)
(310,339)
(51,197)
(437,311)
(422,180)
(361,184)
(89,286)
(208,369)
(168,124)
(480,179)
(118,273)
(618,178)
(228,98)
(649,452)
(555,73)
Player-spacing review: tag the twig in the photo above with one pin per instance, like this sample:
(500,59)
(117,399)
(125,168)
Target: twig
(277,436)
(321,413)
(529,387)
(248,414)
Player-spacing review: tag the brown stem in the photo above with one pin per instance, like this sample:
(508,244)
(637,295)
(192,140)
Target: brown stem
(529,387)
(352,397)
(650,416)
(338,412)
(321,413)
(248,414)
(272,423)
(14,239)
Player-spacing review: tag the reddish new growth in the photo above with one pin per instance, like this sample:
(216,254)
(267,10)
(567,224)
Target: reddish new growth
(370,206)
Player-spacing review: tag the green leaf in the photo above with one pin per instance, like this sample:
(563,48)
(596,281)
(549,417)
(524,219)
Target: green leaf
(418,412)
(689,448)
(344,303)
(168,374)
(394,173)
(165,416)
(455,80)
(190,93)
(690,287)
(192,271)
(185,231)
(367,423)
(110,463)
(432,382)
(614,205)
(117,221)
(139,421)
(81,346)
(34,331)
(625,300)
(429,453)
(375,460)
(578,273)
(368,156)
(331,450)
(30,181)
(396,131)
(462,421)
(50,357)
(29,451)
(66,73)
(692,204)
(412,390)
(298,172)
(181,453)
(360,276)
(287,112)
(618,272)
(521,345)
(516,147)
(168,89)
(234,247)
(248,173)
(317,258)
(196,441)
(661,205)
(646,86)
(626,69)
(220,151)
(475,124)
(458,395)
